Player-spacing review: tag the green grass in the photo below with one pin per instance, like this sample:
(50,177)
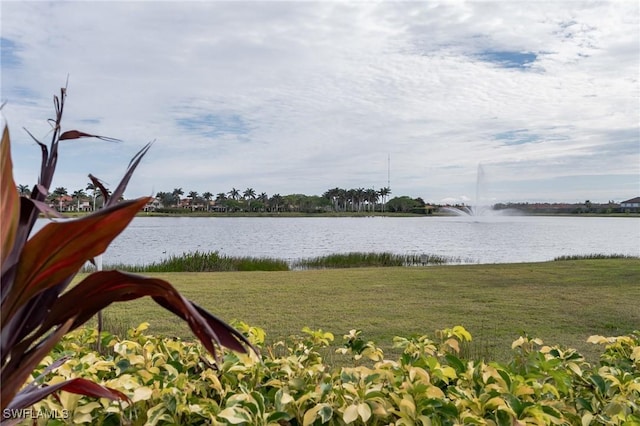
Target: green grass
(560,302)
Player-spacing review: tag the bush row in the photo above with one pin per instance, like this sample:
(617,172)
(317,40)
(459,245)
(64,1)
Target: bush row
(170,381)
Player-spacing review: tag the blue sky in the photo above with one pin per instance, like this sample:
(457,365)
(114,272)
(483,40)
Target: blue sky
(300,97)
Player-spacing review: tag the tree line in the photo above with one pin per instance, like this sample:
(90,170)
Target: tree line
(335,199)
(332,200)
(79,200)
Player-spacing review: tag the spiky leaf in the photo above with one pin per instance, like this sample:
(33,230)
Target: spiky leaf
(61,248)
(10,201)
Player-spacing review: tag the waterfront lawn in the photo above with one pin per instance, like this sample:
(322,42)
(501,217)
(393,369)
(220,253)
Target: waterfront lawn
(562,302)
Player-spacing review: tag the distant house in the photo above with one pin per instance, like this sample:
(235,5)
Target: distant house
(83,206)
(632,205)
(217,207)
(63,203)
(153,205)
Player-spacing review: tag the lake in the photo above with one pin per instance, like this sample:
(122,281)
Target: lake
(488,240)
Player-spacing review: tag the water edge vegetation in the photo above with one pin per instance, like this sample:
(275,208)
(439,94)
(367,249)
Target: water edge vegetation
(198,261)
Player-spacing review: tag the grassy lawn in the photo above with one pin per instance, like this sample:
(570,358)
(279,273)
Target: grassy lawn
(560,302)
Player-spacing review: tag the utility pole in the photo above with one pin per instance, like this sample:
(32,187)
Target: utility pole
(389,171)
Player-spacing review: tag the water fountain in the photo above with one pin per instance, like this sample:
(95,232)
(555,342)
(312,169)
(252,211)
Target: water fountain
(480,208)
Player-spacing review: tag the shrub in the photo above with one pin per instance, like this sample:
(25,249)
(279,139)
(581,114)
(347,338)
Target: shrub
(169,381)
(38,307)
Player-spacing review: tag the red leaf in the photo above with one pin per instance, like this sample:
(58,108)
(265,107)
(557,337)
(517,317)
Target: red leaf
(60,249)
(98,184)
(100,289)
(119,191)
(31,395)
(75,134)
(43,208)
(9,201)
(16,371)
(93,294)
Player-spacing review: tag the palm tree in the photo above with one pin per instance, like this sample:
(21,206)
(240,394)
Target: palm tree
(276,201)
(24,190)
(249,194)
(355,197)
(77,195)
(94,193)
(361,197)
(193,195)
(57,194)
(177,192)
(349,199)
(221,199)
(342,199)
(207,196)
(234,194)
(371,196)
(166,198)
(333,195)
(384,193)
(264,199)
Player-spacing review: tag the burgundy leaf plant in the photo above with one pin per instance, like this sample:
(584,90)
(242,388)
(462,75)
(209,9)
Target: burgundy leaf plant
(37,304)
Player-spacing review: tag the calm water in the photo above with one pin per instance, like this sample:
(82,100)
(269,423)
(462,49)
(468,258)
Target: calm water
(491,240)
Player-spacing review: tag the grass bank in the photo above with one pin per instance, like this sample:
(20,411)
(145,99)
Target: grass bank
(560,302)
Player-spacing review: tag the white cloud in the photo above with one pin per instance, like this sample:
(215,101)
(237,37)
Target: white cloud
(301,97)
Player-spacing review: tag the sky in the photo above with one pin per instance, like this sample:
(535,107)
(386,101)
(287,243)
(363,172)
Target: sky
(300,97)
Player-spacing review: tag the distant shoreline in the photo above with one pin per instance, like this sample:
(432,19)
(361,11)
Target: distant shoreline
(342,214)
